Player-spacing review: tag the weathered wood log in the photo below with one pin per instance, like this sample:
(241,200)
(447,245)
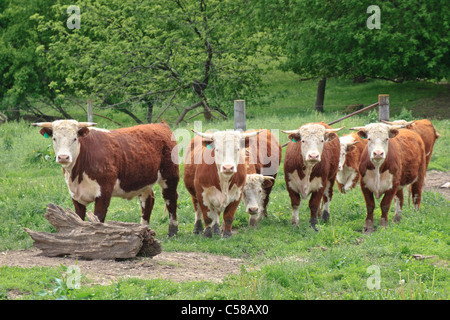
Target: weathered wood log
(92,239)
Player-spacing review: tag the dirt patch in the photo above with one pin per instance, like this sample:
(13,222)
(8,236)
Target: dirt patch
(176,266)
(435,179)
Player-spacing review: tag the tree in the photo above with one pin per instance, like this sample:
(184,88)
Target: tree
(25,73)
(323,39)
(193,53)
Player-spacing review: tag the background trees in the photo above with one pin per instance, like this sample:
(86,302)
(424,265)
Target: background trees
(185,57)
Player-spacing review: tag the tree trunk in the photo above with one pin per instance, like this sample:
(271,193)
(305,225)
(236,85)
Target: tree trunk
(92,239)
(149,104)
(320,94)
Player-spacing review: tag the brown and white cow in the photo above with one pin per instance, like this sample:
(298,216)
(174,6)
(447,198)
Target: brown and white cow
(347,176)
(425,129)
(100,164)
(214,175)
(262,157)
(392,160)
(310,167)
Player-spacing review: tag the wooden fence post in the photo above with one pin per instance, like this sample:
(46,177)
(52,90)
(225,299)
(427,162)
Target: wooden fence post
(383,107)
(90,117)
(239,115)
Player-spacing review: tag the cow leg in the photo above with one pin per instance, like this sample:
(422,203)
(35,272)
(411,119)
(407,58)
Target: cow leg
(265,202)
(198,226)
(398,199)
(416,189)
(295,204)
(170,195)
(228,217)
(385,205)
(327,196)
(147,201)
(370,207)
(314,206)
(101,205)
(80,209)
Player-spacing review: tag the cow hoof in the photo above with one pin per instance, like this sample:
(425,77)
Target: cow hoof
(216,229)
(198,227)
(226,234)
(383,223)
(368,227)
(398,217)
(207,233)
(314,227)
(325,216)
(294,222)
(173,231)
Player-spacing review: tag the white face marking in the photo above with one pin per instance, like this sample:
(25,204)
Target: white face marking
(303,186)
(65,141)
(254,194)
(84,192)
(227,148)
(312,138)
(378,135)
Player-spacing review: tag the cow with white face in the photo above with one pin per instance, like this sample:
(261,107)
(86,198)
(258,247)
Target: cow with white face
(215,174)
(127,162)
(310,167)
(262,158)
(392,160)
(255,195)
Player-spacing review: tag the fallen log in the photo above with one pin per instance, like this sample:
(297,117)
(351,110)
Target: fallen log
(92,239)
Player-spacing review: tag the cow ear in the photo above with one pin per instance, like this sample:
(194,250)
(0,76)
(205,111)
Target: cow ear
(295,137)
(362,134)
(393,133)
(83,132)
(329,136)
(46,132)
(350,148)
(268,181)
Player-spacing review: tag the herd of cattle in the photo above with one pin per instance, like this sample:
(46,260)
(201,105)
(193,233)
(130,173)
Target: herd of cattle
(223,167)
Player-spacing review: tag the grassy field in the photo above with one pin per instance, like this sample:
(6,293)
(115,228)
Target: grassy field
(282,261)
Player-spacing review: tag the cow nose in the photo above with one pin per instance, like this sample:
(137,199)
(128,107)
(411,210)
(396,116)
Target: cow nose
(313,156)
(63,158)
(253,210)
(378,154)
(228,168)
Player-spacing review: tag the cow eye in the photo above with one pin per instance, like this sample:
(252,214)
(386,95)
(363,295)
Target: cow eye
(321,140)
(386,139)
(303,141)
(368,139)
(54,139)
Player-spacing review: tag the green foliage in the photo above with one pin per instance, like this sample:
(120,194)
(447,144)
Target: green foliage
(330,38)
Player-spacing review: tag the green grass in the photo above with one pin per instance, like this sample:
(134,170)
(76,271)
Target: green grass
(281,261)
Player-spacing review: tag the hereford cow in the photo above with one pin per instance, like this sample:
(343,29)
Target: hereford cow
(392,160)
(424,128)
(310,167)
(214,175)
(262,157)
(100,164)
(347,176)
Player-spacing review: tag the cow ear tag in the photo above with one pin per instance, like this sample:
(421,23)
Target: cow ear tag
(209,146)
(46,135)
(293,140)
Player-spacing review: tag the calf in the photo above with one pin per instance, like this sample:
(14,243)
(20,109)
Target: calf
(310,167)
(127,162)
(424,128)
(262,157)
(214,175)
(348,171)
(392,160)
